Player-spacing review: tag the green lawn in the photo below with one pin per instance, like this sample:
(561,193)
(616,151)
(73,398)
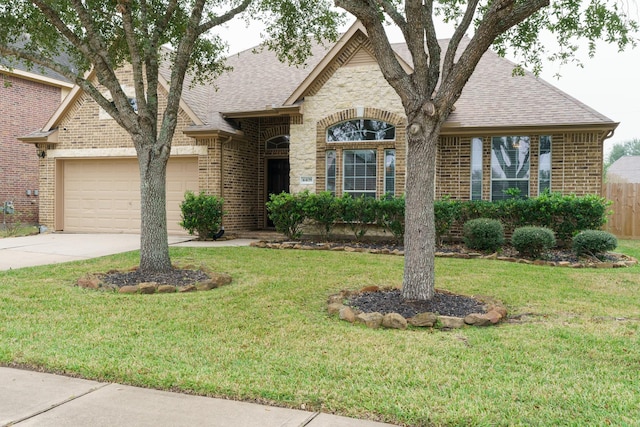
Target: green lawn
(572,356)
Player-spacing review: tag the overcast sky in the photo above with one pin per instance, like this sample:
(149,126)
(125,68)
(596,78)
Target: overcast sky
(608,83)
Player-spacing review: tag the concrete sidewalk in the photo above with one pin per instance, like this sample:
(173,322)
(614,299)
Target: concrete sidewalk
(30,398)
(54,248)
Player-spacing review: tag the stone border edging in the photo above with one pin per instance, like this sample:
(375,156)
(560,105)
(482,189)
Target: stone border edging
(94,281)
(629,261)
(495,313)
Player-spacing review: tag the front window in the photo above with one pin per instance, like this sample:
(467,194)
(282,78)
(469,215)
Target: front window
(476,169)
(390,172)
(361,130)
(509,167)
(331,171)
(359,177)
(544,165)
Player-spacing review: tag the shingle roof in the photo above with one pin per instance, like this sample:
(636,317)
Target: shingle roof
(625,169)
(493,97)
(257,81)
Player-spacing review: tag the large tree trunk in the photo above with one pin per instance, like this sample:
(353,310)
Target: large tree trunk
(420,235)
(154,244)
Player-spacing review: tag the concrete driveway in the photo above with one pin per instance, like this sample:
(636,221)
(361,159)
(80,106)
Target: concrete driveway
(53,248)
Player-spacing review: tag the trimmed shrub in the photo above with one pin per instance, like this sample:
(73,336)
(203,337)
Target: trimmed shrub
(533,241)
(594,242)
(446,212)
(390,216)
(202,214)
(324,209)
(287,212)
(483,234)
(358,213)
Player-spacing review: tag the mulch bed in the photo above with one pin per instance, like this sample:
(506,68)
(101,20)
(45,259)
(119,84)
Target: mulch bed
(175,277)
(391,301)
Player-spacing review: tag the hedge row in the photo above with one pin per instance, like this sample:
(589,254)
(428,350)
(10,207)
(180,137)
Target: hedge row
(565,215)
(290,211)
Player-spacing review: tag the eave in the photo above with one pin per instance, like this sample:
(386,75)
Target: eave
(452,128)
(200,132)
(269,111)
(34,77)
(41,137)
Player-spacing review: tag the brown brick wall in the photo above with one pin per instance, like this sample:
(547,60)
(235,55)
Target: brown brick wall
(26,106)
(240,185)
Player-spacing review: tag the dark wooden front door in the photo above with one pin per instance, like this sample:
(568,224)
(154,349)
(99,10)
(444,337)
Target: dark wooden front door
(277,179)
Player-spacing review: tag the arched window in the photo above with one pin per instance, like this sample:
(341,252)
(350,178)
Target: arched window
(280,142)
(361,130)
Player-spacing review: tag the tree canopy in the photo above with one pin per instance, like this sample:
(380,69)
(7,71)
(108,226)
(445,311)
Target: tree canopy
(98,37)
(429,91)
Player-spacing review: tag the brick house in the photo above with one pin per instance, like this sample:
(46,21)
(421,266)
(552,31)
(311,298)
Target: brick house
(27,100)
(333,125)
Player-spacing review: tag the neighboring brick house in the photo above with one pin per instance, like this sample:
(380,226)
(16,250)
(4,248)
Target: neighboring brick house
(335,125)
(27,100)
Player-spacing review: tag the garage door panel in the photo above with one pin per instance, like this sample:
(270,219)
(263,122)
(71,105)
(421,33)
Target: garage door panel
(104,195)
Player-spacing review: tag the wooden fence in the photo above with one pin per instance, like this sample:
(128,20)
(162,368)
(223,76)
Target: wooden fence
(625,220)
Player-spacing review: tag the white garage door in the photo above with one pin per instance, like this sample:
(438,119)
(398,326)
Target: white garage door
(103,196)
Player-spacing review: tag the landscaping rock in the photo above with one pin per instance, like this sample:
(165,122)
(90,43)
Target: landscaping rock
(206,285)
(394,321)
(147,287)
(220,279)
(372,320)
(346,313)
(128,290)
(188,288)
(477,319)
(493,316)
(166,289)
(449,322)
(423,320)
(334,308)
(89,282)
(337,298)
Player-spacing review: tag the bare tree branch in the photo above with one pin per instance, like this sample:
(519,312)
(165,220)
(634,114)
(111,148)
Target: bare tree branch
(219,20)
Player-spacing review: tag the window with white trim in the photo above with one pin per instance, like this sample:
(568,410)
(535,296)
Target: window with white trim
(544,164)
(361,130)
(359,172)
(330,163)
(476,169)
(390,172)
(509,167)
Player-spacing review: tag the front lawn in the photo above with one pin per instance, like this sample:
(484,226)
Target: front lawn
(570,355)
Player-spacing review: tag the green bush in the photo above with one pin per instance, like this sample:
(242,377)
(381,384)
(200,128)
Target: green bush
(446,212)
(390,216)
(201,214)
(533,241)
(483,234)
(359,213)
(594,242)
(324,210)
(287,212)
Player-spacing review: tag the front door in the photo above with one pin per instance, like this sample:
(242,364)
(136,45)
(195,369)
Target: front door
(277,179)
